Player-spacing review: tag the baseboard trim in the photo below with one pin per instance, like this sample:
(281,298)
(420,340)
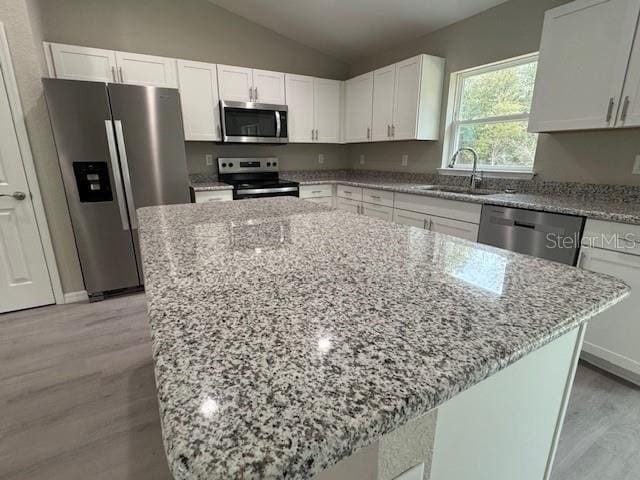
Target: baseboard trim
(75,297)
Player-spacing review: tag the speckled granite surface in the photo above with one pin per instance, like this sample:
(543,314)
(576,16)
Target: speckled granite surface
(206,183)
(287,335)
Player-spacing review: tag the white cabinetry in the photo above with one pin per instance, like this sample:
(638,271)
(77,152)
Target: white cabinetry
(403,103)
(198,85)
(613,337)
(358,108)
(366,201)
(213,196)
(322,194)
(241,84)
(314,109)
(93,64)
(584,54)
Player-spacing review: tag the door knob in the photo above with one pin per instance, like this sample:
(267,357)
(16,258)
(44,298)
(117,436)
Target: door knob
(16,195)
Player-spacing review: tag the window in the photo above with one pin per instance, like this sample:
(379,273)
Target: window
(490,113)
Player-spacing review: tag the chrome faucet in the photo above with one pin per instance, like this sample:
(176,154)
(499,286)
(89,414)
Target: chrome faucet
(475,177)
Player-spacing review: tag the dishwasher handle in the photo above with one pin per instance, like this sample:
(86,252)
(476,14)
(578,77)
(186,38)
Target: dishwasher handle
(517,223)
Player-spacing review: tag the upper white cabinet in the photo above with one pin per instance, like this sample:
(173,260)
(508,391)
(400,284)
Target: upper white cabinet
(396,102)
(240,84)
(358,108)
(148,70)
(94,64)
(314,109)
(198,85)
(584,54)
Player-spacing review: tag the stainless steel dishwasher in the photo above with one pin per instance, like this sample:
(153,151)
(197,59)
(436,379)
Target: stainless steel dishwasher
(552,236)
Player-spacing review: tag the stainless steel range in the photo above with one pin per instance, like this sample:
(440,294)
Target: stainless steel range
(255,178)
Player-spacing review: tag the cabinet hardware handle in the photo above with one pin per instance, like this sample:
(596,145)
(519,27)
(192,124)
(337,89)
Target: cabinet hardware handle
(610,109)
(430,223)
(255,95)
(113,72)
(368,133)
(375,197)
(316,191)
(625,108)
(121,75)
(251,94)
(388,130)
(316,134)
(219,131)
(424,223)
(393,130)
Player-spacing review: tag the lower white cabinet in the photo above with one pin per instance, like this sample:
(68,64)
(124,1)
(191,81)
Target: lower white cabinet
(198,84)
(326,201)
(439,207)
(348,205)
(213,196)
(455,228)
(377,211)
(321,194)
(614,335)
(346,191)
(412,219)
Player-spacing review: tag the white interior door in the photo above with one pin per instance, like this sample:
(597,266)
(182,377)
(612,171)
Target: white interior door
(358,108)
(629,115)
(147,70)
(199,99)
(84,63)
(584,52)
(235,83)
(406,99)
(24,277)
(268,87)
(327,110)
(300,105)
(384,80)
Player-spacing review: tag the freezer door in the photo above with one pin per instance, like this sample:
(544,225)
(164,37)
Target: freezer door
(148,126)
(85,139)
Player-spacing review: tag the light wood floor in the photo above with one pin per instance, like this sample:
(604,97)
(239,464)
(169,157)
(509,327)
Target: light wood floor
(77,401)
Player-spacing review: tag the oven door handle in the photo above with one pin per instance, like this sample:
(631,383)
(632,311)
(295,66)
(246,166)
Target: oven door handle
(278,125)
(253,191)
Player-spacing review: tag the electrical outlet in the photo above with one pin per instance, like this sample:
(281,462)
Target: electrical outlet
(321,158)
(208,158)
(405,160)
(361,159)
(636,166)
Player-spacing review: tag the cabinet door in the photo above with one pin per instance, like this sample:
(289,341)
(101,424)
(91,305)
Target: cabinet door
(326,110)
(348,205)
(268,87)
(413,219)
(377,211)
(84,63)
(629,112)
(326,201)
(613,334)
(406,99)
(584,52)
(198,83)
(235,84)
(213,196)
(455,228)
(148,70)
(358,108)
(300,105)
(383,83)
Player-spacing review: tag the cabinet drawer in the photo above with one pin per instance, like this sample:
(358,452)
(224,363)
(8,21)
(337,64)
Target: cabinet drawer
(455,228)
(619,237)
(413,219)
(214,196)
(377,211)
(440,207)
(377,197)
(326,201)
(345,191)
(316,191)
(348,205)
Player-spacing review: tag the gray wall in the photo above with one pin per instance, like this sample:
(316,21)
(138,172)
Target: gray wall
(510,29)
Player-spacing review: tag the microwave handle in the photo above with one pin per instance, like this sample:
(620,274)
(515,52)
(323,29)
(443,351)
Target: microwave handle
(278,125)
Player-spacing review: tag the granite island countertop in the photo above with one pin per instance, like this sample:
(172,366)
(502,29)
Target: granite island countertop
(287,335)
(601,205)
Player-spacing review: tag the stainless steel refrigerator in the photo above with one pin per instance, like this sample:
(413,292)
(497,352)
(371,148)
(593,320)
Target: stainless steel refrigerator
(120,147)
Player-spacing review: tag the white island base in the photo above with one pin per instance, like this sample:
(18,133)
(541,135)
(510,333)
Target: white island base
(503,428)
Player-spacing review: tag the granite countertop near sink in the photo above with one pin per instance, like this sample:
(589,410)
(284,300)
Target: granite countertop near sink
(287,335)
(615,203)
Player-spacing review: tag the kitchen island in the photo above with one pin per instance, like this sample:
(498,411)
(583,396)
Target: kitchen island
(291,340)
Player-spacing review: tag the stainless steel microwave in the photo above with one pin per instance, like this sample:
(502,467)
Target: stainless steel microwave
(248,122)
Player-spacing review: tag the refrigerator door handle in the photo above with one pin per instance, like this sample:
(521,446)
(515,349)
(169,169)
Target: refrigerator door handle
(125,174)
(117,179)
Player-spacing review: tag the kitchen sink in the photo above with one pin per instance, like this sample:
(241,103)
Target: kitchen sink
(456,189)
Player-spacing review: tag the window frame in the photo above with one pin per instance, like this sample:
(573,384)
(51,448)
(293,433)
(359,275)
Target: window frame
(453,110)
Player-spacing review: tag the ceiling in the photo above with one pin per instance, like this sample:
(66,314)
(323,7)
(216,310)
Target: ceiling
(348,29)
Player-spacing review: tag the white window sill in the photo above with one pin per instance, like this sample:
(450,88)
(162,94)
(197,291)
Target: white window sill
(507,174)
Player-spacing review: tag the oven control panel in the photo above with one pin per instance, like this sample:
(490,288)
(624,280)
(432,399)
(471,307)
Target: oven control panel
(247,165)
